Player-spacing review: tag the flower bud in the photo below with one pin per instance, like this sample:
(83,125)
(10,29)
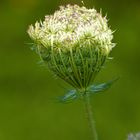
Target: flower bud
(74,42)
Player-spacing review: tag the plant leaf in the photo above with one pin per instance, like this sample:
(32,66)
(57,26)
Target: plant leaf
(72,95)
(68,97)
(101,87)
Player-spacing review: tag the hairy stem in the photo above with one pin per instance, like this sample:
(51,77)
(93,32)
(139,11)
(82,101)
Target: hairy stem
(89,114)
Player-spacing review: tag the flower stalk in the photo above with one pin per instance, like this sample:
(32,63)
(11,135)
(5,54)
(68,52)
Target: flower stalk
(90,118)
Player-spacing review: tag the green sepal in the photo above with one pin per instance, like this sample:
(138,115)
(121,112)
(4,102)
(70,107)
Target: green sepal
(95,88)
(70,96)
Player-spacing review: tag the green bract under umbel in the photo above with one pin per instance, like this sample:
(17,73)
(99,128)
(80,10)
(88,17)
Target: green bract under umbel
(74,42)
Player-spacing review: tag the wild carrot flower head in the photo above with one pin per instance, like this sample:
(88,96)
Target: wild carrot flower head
(74,42)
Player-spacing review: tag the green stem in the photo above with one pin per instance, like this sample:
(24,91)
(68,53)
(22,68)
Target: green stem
(89,113)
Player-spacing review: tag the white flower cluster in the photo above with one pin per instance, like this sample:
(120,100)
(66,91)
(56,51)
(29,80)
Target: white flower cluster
(69,25)
(134,136)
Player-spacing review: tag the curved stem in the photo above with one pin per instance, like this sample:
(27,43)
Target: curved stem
(89,113)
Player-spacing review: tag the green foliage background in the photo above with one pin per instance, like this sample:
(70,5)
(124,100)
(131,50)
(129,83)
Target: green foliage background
(28,110)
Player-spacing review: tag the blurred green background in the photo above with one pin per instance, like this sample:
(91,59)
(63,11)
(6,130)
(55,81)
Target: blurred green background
(28,110)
